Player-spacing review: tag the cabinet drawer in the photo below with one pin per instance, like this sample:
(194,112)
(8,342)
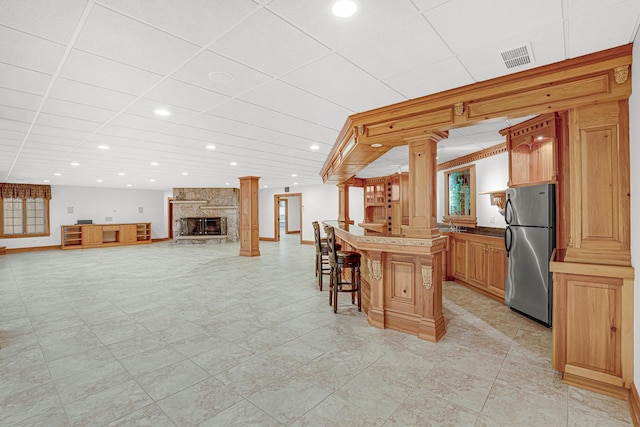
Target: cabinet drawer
(110,227)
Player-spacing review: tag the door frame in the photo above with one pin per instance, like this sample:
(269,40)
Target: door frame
(170,216)
(276,214)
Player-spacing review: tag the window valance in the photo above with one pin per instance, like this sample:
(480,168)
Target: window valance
(25,191)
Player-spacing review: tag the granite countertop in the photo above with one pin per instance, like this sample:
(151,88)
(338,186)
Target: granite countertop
(482,231)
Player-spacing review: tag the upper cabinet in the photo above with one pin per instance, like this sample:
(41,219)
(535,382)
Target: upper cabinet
(532,147)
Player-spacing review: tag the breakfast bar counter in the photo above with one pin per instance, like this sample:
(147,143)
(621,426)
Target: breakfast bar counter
(401,279)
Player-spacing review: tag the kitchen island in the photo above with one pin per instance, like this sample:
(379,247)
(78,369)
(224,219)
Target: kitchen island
(401,279)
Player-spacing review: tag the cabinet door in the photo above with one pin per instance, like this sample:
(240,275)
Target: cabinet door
(91,235)
(497,272)
(459,258)
(128,233)
(478,264)
(593,324)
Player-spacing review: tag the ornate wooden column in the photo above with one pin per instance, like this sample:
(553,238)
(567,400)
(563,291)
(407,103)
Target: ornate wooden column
(343,204)
(249,231)
(422,185)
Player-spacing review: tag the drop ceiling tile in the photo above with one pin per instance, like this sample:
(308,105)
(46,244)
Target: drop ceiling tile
(24,50)
(14,125)
(187,132)
(53,19)
(97,71)
(184,95)
(73,136)
(123,39)
(385,53)
(577,8)
(11,135)
(198,69)
(315,18)
(620,23)
(71,109)
(125,132)
(323,113)
(53,120)
(245,112)
(86,94)
(485,62)
(17,114)
(140,123)
(256,133)
(199,21)
(279,96)
(145,108)
(17,99)
(434,78)
(339,81)
(23,80)
(481,23)
(214,123)
(268,44)
(428,4)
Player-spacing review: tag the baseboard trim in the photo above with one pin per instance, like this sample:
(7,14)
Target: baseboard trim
(267,239)
(292,232)
(163,239)
(634,405)
(308,242)
(32,249)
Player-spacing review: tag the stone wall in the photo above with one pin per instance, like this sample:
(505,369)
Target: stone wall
(208,203)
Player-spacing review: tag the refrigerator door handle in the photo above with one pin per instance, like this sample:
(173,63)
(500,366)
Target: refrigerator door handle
(508,240)
(508,211)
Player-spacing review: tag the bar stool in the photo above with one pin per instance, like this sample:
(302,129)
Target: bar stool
(339,260)
(322,259)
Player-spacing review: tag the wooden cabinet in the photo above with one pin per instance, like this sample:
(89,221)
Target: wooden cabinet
(97,235)
(128,233)
(532,147)
(593,326)
(91,235)
(385,204)
(479,262)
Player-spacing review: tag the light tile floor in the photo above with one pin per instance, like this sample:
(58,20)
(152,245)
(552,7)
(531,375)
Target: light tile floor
(165,335)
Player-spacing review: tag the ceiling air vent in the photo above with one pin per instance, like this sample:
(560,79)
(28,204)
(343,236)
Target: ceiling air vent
(517,57)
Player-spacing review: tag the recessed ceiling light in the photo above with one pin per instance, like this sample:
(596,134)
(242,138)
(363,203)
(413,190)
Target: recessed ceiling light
(57,174)
(295,183)
(128,185)
(185,173)
(98,180)
(294,175)
(162,112)
(220,77)
(234,163)
(344,8)
(103,147)
(210,147)
(154,163)
(121,173)
(45,180)
(376,145)
(314,147)
(152,180)
(74,164)
(226,183)
(265,186)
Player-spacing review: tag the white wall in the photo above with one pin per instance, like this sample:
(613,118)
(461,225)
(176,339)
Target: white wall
(319,203)
(634,135)
(293,214)
(492,174)
(97,204)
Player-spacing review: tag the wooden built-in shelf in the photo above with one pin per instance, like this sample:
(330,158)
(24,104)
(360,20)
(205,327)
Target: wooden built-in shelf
(101,235)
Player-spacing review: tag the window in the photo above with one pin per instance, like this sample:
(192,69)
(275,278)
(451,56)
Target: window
(24,214)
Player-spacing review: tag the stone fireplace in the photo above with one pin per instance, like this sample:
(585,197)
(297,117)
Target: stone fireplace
(205,215)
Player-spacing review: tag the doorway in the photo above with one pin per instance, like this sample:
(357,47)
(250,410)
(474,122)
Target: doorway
(287,215)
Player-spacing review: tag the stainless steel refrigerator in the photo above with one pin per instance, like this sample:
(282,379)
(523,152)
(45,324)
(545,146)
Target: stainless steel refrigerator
(529,239)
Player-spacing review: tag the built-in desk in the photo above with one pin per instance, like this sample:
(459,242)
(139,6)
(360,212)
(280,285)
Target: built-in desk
(401,280)
(82,236)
